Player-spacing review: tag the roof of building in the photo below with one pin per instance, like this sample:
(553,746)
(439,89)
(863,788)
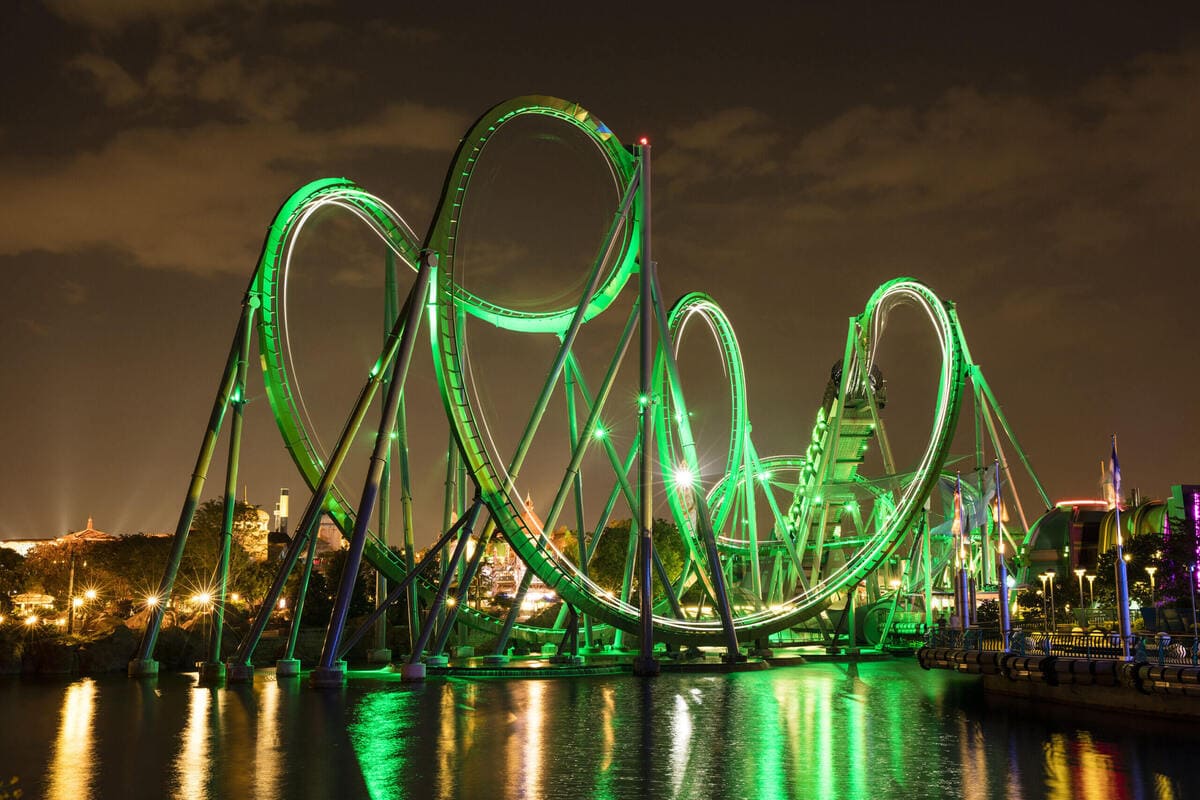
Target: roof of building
(88,534)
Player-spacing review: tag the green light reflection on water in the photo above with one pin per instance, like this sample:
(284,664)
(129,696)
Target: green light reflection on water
(380,734)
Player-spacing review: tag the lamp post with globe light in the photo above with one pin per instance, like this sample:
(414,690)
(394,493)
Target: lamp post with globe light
(1043,577)
(1150,571)
(1053,621)
(1192,586)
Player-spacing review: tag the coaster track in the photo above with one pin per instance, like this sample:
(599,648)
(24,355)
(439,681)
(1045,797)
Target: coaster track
(789,534)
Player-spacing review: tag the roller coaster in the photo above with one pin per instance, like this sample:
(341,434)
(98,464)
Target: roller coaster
(770,544)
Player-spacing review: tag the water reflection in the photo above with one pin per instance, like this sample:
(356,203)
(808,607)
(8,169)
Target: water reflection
(192,763)
(381,731)
(267,745)
(818,731)
(71,772)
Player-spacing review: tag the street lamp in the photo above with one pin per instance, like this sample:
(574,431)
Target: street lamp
(1053,620)
(1192,586)
(1091,588)
(1150,571)
(1045,615)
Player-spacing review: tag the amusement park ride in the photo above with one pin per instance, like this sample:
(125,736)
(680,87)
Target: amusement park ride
(770,543)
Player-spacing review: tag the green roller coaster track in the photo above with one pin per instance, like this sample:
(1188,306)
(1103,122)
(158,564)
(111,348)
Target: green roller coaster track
(793,532)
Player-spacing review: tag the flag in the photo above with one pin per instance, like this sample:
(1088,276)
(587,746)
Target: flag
(1114,473)
(956,527)
(999,514)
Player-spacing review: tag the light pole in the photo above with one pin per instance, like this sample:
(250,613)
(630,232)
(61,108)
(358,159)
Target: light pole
(1192,586)
(1053,621)
(1091,588)
(1150,571)
(1045,613)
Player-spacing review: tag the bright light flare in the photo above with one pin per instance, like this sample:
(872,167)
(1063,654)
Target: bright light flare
(684,478)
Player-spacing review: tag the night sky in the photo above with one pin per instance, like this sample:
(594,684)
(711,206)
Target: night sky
(1039,167)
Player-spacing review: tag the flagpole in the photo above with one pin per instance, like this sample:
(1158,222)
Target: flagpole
(1005,618)
(964,588)
(1122,576)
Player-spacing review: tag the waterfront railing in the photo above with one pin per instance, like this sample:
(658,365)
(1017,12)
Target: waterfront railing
(1150,648)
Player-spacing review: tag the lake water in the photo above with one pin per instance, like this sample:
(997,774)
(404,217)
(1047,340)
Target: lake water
(878,730)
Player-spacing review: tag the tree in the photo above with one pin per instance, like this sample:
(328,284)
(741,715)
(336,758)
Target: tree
(12,576)
(1170,555)
(198,568)
(607,567)
(129,568)
(362,600)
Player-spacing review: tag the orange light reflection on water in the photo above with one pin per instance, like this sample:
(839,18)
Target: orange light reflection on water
(73,767)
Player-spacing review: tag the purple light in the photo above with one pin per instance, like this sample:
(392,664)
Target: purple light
(1196,531)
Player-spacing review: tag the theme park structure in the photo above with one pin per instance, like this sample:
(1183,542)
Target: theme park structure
(770,543)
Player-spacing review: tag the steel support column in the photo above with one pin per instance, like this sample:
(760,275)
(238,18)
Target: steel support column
(143,661)
(439,600)
(213,669)
(645,663)
(414,309)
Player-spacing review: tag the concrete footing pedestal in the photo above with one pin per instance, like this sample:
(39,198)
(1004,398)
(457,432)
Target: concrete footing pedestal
(239,673)
(328,677)
(287,668)
(143,668)
(412,672)
(381,656)
(212,672)
(437,661)
(494,660)
(567,659)
(646,666)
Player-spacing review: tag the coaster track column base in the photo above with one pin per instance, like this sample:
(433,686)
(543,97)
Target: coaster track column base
(646,666)
(212,673)
(238,673)
(328,677)
(412,672)
(143,668)
(381,656)
(287,668)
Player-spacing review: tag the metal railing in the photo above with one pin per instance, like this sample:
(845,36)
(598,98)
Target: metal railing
(1150,648)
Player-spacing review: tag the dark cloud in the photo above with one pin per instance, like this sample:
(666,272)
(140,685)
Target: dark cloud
(801,158)
(110,79)
(193,199)
(112,16)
